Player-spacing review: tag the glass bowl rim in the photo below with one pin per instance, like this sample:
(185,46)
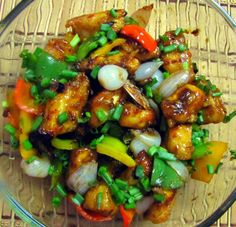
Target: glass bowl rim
(23,213)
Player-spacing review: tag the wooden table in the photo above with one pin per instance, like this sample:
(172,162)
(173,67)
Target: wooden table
(228,219)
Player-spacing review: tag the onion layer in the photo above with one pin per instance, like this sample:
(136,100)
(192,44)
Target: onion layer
(80,181)
(180,169)
(170,85)
(143,204)
(146,70)
(37,168)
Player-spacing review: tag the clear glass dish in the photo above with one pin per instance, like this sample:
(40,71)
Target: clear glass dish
(32,23)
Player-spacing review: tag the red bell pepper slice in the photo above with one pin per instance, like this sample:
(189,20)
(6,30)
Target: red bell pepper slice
(140,35)
(23,99)
(89,215)
(127,215)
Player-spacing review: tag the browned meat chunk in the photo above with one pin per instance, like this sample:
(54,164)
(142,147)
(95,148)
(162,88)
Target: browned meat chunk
(160,212)
(80,157)
(72,101)
(214,110)
(173,61)
(179,141)
(183,106)
(122,59)
(59,48)
(135,117)
(107,206)
(87,25)
(105,101)
(145,161)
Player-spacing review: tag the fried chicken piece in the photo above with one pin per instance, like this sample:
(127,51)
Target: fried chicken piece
(135,117)
(86,25)
(173,61)
(107,206)
(179,141)
(145,161)
(72,101)
(160,212)
(59,48)
(105,101)
(183,105)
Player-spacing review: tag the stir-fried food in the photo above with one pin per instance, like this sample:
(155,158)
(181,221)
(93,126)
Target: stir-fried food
(115,117)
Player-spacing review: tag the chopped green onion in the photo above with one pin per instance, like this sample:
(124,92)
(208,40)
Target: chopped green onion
(148,91)
(123,185)
(157,97)
(31,159)
(70,58)
(75,41)
(63,81)
(178,31)
(37,122)
(161,152)
(106,127)
(49,94)
(152,150)
(218,167)
(229,117)
(130,20)
(145,182)
(4,104)
(104,174)
(210,169)
(161,47)
(10,129)
(78,199)
(68,74)
(131,200)
(139,171)
(34,91)
(159,197)
(27,145)
(102,41)
(85,119)
(61,190)
(101,115)
(133,190)
(200,77)
(195,68)
(182,47)
(213,87)
(51,170)
(99,200)
(95,71)
(45,82)
(29,75)
(111,35)
(166,75)
(138,196)
(200,119)
(164,38)
(113,13)
(56,201)
(114,52)
(130,206)
(117,112)
(96,141)
(170,48)
(14,141)
(120,197)
(217,94)
(62,118)
(233,154)
(105,27)
(185,66)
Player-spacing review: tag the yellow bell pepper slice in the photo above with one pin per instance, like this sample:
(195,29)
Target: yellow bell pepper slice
(102,51)
(26,121)
(64,144)
(217,150)
(114,148)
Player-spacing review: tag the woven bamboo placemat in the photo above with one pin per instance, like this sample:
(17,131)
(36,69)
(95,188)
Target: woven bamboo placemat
(10,219)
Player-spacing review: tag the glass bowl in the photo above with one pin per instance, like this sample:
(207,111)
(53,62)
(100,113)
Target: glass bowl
(32,23)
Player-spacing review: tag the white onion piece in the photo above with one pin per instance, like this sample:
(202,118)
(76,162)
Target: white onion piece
(136,146)
(146,70)
(150,138)
(170,85)
(159,76)
(37,168)
(80,180)
(180,169)
(112,77)
(143,204)
(154,106)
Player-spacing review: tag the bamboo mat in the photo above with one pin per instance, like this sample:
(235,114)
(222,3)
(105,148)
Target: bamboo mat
(12,220)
